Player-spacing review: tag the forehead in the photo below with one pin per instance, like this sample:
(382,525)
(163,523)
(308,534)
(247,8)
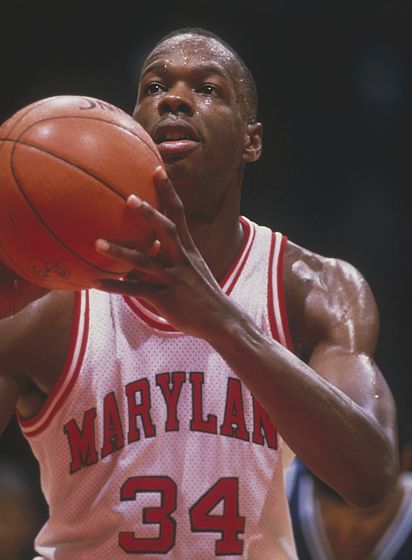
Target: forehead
(194,50)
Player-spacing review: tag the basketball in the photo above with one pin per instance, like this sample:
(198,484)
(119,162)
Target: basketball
(67,166)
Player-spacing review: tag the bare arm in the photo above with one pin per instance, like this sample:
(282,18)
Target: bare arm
(336,412)
(341,328)
(34,333)
(326,410)
(15,292)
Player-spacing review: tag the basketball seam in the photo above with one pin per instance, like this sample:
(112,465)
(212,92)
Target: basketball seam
(18,268)
(84,117)
(29,110)
(70,163)
(37,104)
(42,221)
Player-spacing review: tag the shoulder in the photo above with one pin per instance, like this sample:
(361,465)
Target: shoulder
(311,270)
(323,295)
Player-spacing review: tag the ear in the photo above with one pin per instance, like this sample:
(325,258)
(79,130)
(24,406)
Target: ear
(253,142)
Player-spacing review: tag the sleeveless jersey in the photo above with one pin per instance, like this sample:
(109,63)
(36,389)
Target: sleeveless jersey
(149,443)
(310,536)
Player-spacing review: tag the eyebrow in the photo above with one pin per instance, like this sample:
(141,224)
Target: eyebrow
(200,69)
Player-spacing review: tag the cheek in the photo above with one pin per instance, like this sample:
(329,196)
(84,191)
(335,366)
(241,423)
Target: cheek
(220,122)
(228,137)
(142,113)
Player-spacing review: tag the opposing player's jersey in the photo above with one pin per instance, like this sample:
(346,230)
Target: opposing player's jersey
(149,444)
(311,541)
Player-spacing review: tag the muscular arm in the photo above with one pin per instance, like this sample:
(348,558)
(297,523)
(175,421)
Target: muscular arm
(15,292)
(34,333)
(325,407)
(336,411)
(342,305)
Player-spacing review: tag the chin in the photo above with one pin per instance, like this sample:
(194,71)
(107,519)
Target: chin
(180,173)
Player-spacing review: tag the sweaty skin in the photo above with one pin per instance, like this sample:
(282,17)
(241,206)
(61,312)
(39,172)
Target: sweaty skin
(329,400)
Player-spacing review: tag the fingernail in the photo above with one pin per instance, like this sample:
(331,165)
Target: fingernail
(154,249)
(161,172)
(101,246)
(134,201)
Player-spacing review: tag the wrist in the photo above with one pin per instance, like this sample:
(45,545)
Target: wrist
(233,327)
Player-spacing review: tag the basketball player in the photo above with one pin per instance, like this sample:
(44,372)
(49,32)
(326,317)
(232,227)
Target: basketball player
(161,407)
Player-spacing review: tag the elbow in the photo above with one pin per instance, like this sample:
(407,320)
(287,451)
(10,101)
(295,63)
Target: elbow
(373,488)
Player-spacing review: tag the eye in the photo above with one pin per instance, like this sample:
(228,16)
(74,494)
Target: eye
(154,88)
(208,89)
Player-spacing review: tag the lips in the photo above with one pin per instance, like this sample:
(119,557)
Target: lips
(175,137)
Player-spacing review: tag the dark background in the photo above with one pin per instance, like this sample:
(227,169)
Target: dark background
(334,80)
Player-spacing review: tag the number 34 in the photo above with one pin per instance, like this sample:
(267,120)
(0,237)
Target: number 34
(229,523)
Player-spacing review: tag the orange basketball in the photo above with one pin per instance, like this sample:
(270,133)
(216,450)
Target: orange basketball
(67,165)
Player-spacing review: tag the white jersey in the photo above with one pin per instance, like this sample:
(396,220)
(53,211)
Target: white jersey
(149,443)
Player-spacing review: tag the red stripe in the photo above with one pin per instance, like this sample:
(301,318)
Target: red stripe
(280,292)
(271,312)
(246,227)
(148,320)
(246,230)
(50,402)
(281,295)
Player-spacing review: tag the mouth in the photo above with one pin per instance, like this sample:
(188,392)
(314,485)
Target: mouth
(175,137)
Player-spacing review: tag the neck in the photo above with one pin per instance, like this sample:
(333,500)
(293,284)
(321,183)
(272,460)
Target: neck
(219,243)
(215,228)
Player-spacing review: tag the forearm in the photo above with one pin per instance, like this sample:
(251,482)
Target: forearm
(334,436)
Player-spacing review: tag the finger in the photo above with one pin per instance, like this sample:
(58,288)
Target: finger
(164,229)
(155,248)
(141,261)
(125,287)
(171,202)
(140,276)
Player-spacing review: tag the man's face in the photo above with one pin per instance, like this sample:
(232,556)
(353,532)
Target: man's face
(188,101)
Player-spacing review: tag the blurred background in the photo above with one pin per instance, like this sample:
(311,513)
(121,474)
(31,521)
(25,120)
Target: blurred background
(335,86)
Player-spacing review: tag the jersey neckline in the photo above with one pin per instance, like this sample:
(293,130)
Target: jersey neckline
(149,316)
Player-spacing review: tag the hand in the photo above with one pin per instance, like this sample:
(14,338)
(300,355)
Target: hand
(172,276)
(16,292)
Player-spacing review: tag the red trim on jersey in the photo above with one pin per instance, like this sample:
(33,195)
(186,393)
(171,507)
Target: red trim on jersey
(278,320)
(242,258)
(150,317)
(281,294)
(271,312)
(142,310)
(59,393)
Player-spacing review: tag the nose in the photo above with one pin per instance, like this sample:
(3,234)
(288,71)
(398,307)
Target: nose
(177,99)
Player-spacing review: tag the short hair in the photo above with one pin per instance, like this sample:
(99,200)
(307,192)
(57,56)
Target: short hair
(250,101)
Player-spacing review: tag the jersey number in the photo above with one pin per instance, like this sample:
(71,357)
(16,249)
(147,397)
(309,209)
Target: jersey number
(229,523)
